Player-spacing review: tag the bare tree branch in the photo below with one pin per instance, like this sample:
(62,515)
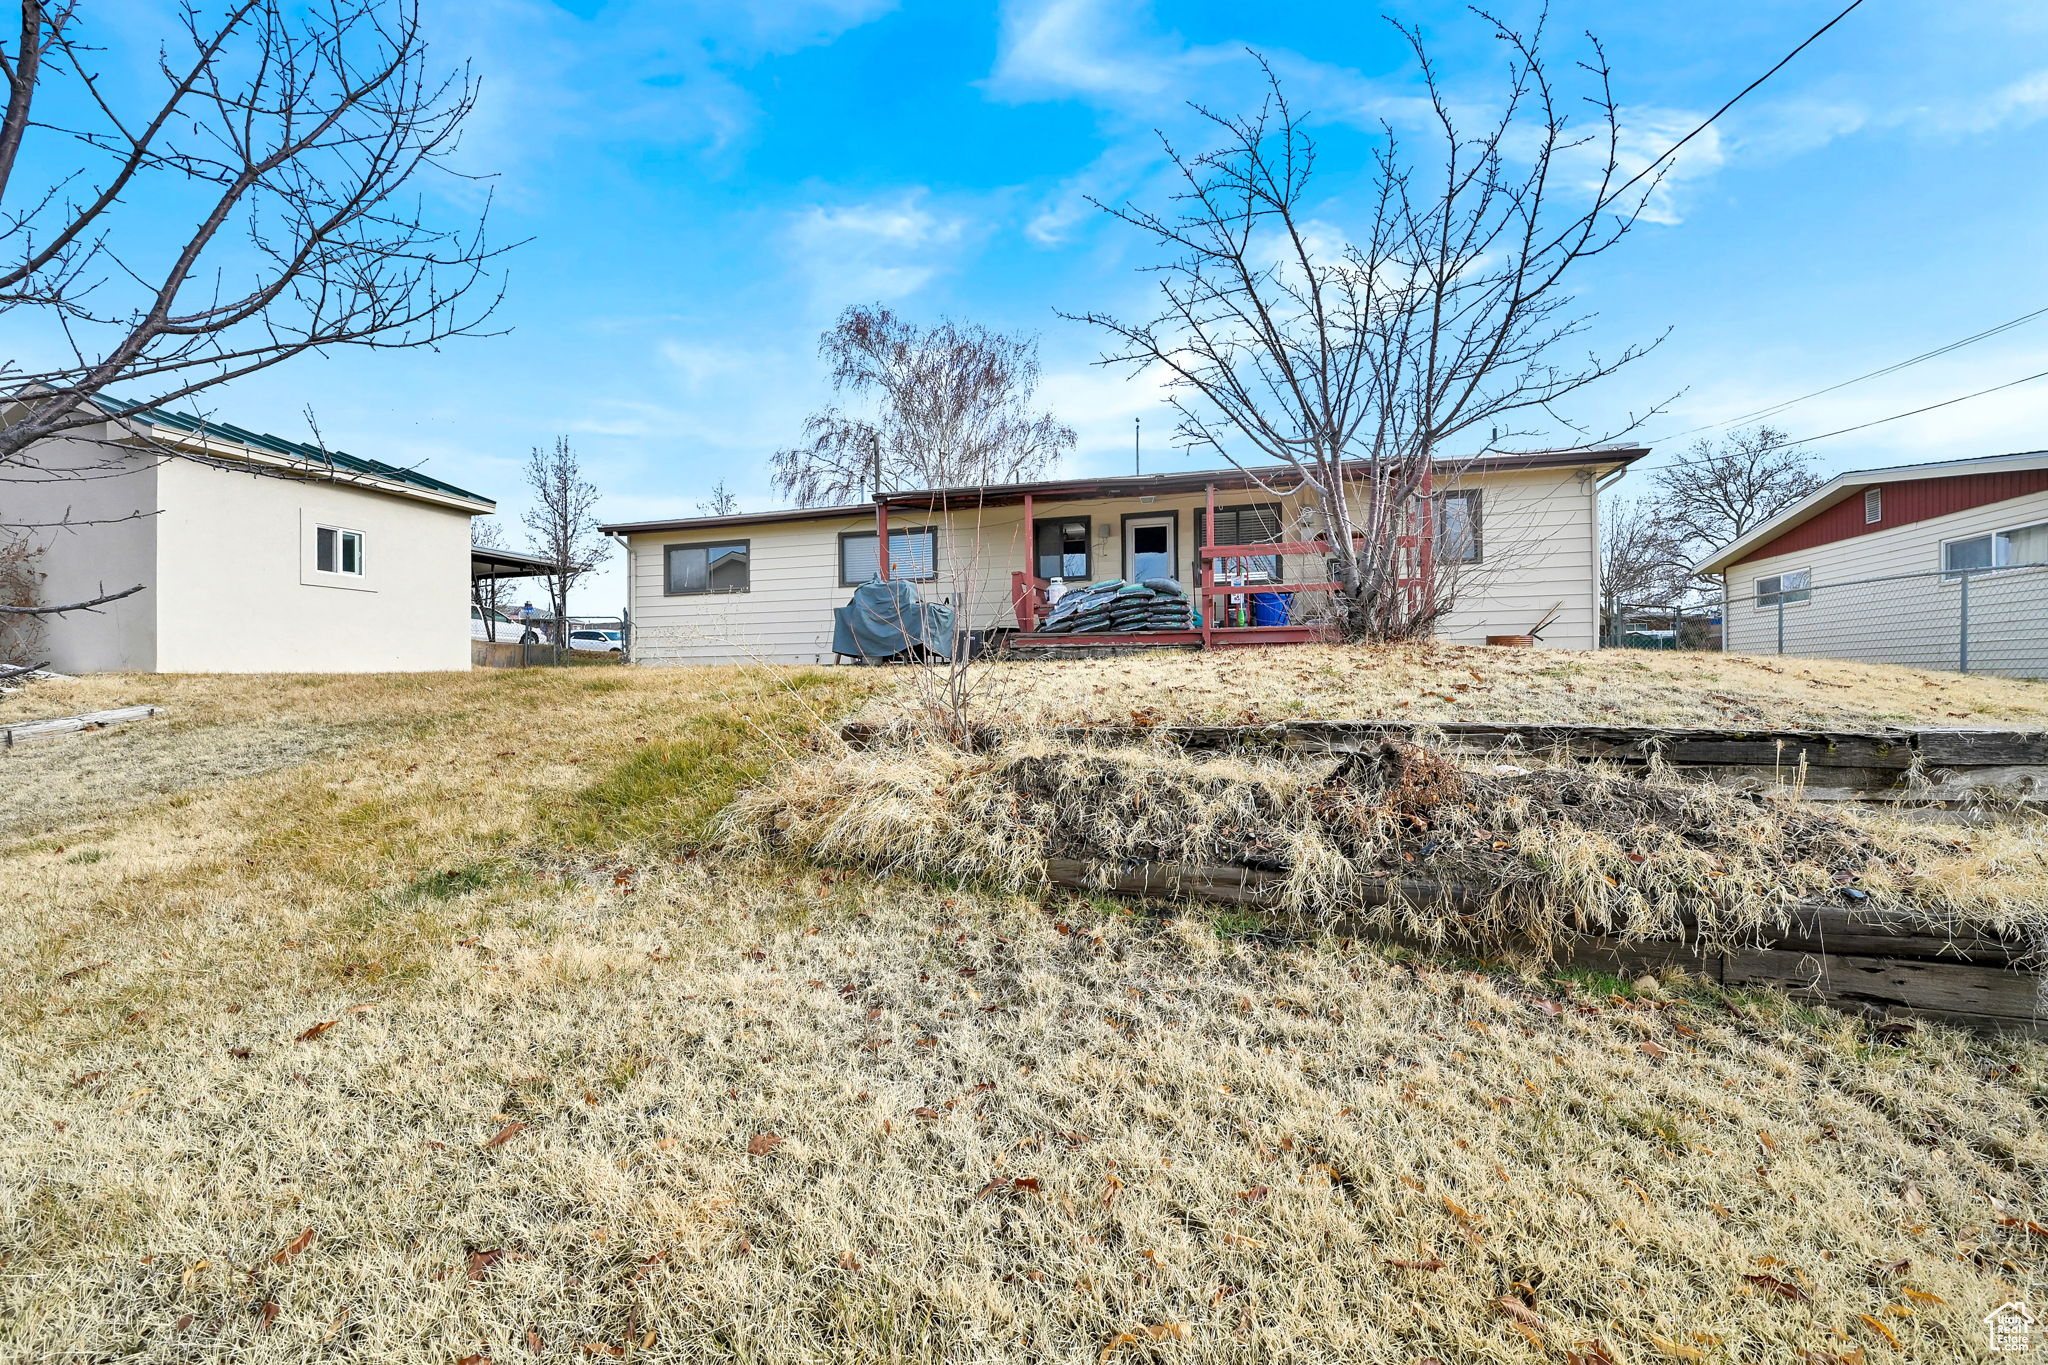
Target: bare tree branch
(87,605)
(953,409)
(1358,364)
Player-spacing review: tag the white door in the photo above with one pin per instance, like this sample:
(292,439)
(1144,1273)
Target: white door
(1149,549)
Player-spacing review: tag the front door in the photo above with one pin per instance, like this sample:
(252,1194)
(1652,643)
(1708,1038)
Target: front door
(1149,549)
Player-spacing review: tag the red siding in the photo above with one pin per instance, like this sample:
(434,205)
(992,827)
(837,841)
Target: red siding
(1905,502)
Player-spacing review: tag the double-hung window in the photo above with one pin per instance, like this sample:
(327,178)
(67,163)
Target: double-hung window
(338,551)
(913,555)
(1789,589)
(713,567)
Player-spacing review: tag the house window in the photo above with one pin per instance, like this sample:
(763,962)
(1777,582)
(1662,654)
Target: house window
(913,555)
(1873,506)
(1790,588)
(1998,550)
(722,566)
(1251,524)
(1457,528)
(337,551)
(1063,547)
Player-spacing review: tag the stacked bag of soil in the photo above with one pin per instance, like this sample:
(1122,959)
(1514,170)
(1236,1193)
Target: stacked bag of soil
(1115,606)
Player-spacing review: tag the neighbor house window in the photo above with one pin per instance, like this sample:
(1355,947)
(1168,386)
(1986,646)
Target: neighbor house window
(913,555)
(1062,547)
(721,566)
(1873,506)
(2020,545)
(337,551)
(1790,588)
(1457,528)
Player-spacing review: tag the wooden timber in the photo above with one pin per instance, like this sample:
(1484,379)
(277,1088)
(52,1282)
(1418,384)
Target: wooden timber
(1867,963)
(23,731)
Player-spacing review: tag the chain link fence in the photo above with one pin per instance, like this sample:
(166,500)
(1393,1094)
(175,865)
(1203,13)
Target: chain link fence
(516,640)
(1991,620)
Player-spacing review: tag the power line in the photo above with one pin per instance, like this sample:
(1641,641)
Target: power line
(1938,351)
(1708,122)
(1875,422)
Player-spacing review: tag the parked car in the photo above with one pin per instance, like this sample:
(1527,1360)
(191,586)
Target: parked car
(503,628)
(602,641)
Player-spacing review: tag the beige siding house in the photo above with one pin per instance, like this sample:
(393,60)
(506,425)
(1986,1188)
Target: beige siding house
(763,586)
(254,554)
(1941,566)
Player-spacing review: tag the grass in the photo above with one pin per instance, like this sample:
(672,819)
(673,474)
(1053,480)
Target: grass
(1451,682)
(468,998)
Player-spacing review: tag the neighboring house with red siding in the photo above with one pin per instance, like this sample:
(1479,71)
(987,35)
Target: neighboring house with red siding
(1935,566)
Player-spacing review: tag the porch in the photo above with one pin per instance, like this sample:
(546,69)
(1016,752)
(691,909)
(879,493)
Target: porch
(1238,563)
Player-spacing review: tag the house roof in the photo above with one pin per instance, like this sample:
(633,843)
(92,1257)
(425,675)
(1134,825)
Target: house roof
(191,430)
(1122,486)
(493,561)
(1849,484)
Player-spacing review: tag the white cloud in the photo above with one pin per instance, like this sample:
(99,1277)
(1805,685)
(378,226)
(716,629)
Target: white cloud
(881,249)
(1646,134)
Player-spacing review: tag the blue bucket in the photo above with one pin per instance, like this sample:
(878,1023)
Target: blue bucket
(1269,608)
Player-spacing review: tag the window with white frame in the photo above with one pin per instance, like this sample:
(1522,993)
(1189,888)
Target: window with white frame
(1996,550)
(1789,589)
(336,550)
(913,555)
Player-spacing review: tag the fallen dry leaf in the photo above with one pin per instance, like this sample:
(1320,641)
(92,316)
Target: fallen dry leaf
(293,1247)
(505,1135)
(480,1262)
(314,1032)
(761,1144)
(1784,1289)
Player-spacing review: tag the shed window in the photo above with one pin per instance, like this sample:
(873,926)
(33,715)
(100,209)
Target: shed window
(337,551)
(1873,506)
(1063,547)
(720,567)
(1790,588)
(913,555)
(1457,528)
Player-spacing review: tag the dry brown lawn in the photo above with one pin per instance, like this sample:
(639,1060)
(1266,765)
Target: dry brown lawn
(442,1039)
(1451,682)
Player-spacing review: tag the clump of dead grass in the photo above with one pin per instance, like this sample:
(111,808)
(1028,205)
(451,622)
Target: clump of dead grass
(1400,838)
(1440,682)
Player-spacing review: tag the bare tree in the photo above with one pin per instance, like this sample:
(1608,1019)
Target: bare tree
(1718,492)
(563,522)
(952,407)
(1357,363)
(1643,561)
(243,204)
(721,503)
(489,594)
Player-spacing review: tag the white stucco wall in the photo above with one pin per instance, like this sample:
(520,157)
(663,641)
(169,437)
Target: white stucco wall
(97,534)
(239,592)
(1539,538)
(227,560)
(1913,615)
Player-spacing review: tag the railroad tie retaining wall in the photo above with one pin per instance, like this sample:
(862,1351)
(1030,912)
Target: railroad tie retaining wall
(1860,962)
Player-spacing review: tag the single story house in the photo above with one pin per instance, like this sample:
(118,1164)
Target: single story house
(255,554)
(1518,534)
(1940,566)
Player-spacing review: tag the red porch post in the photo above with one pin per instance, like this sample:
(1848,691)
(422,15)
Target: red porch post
(1204,570)
(881,537)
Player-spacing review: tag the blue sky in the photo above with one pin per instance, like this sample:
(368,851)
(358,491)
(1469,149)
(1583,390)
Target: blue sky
(707,184)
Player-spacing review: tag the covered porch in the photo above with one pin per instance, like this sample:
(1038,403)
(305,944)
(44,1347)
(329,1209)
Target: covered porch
(1251,575)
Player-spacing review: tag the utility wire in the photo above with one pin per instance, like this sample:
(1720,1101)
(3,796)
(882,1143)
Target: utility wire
(1938,351)
(1706,123)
